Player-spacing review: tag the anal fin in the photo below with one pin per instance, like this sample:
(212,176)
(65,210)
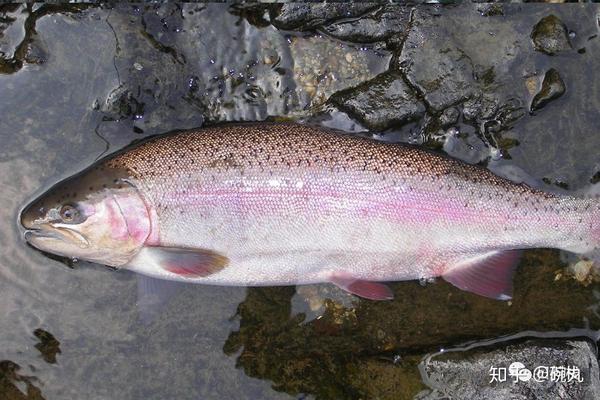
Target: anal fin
(362,288)
(489,274)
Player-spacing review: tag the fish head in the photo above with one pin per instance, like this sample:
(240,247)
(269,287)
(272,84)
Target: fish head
(98,215)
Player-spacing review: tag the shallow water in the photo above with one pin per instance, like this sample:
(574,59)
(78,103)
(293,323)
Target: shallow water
(93,79)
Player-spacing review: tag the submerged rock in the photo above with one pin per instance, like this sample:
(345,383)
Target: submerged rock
(13,382)
(48,346)
(537,368)
(491,10)
(449,117)
(552,88)
(381,102)
(121,103)
(305,16)
(322,67)
(550,35)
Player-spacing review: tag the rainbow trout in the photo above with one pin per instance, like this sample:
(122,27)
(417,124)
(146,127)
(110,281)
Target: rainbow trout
(281,204)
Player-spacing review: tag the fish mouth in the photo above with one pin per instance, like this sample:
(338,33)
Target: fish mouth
(48,233)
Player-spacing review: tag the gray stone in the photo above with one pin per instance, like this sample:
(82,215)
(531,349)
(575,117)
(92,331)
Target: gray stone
(382,24)
(550,35)
(491,10)
(380,103)
(306,16)
(468,374)
(434,65)
(449,117)
(552,88)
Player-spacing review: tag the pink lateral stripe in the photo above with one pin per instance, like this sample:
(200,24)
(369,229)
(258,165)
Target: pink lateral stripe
(408,207)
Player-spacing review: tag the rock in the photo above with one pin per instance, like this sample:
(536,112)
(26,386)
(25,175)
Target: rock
(380,25)
(48,346)
(26,51)
(121,104)
(380,103)
(552,88)
(491,10)
(582,271)
(550,35)
(255,13)
(321,67)
(13,382)
(481,106)
(434,64)
(470,374)
(306,16)
(449,117)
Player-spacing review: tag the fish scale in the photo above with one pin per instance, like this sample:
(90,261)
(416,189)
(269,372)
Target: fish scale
(287,203)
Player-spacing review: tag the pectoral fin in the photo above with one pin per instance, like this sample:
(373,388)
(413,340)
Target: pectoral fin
(187,262)
(367,289)
(489,274)
(154,295)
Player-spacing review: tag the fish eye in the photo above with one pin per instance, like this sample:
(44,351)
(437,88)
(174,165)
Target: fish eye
(68,213)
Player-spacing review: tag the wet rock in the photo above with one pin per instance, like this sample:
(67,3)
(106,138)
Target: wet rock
(48,346)
(491,10)
(552,88)
(35,53)
(121,103)
(380,25)
(506,114)
(550,35)
(381,102)
(434,65)
(380,378)
(255,13)
(449,117)
(582,271)
(26,51)
(306,16)
(482,106)
(12,383)
(469,374)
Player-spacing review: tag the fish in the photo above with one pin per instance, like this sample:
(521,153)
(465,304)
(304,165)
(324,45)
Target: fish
(267,204)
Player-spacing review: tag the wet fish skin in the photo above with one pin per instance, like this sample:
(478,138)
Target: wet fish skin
(275,204)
